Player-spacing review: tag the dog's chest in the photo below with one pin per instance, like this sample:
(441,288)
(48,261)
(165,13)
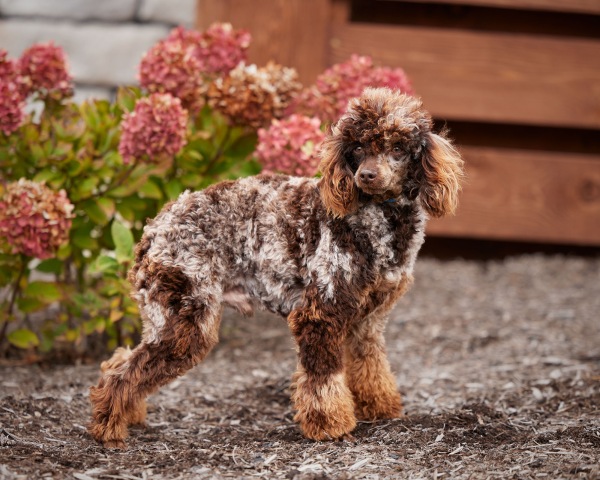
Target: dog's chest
(353,255)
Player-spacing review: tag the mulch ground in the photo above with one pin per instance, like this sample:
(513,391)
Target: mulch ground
(498,362)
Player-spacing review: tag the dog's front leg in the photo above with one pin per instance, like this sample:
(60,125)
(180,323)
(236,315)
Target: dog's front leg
(367,369)
(323,402)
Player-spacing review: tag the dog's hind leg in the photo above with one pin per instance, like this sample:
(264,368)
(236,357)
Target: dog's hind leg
(181,327)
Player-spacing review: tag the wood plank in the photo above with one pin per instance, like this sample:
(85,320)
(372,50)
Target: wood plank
(477,76)
(527,196)
(573,6)
(293,33)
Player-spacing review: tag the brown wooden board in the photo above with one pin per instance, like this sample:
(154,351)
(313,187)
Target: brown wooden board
(579,6)
(492,77)
(527,196)
(293,33)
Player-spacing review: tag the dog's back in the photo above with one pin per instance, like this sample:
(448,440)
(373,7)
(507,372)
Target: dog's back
(264,239)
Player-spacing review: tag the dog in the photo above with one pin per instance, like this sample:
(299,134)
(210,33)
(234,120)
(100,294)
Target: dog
(330,254)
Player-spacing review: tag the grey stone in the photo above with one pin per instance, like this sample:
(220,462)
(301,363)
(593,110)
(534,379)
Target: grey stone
(175,12)
(99,54)
(114,10)
(83,92)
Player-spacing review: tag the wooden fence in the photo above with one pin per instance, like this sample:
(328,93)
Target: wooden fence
(516,81)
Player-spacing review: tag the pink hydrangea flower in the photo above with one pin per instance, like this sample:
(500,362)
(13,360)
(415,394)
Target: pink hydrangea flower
(222,48)
(8,67)
(34,219)
(330,94)
(44,70)
(157,127)
(172,67)
(13,100)
(291,145)
(179,64)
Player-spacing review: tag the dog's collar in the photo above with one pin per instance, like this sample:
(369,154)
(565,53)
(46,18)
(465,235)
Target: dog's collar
(390,200)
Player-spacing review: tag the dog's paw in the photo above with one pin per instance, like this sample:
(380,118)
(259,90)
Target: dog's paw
(320,427)
(330,420)
(114,444)
(388,405)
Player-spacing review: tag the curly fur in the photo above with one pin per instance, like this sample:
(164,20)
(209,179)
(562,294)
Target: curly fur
(332,255)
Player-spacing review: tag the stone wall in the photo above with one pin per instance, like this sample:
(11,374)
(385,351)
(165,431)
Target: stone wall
(103,39)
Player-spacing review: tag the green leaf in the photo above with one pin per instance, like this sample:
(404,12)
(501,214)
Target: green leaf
(126,212)
(80,236)
(200,148)
(37,153)
(84,188)
(47,342)
(23,338)
(29,305)
(46,175)
(46,292)
(243,146)
(123,239)
(173,188)
(112,159)
(191,180)
(107,205)
(64,251)
(150,190)
(104,264)
(133,185)
(127,97)
(52,265)
(95,212)
(74,168)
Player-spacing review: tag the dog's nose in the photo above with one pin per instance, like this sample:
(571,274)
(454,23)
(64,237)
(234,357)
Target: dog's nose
(368,175)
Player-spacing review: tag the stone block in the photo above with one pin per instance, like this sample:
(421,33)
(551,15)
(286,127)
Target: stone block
(85,92)
(174,12)
(113,10)
(99,54)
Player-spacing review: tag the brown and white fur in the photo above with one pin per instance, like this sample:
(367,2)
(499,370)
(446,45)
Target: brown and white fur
(332,255)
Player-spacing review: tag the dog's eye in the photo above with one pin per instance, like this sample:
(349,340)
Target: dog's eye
(358,149)
(397,149)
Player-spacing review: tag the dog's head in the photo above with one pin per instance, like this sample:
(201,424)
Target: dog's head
(383,148)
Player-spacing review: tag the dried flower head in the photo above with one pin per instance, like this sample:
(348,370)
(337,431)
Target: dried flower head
(13,100)
(43,68)
(330,94)
(254,96)
(183,62)
(222,48)
(34,219)
(155,129)
(291,145)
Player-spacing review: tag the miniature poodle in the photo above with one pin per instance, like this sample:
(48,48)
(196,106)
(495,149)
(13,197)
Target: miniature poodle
(332,255)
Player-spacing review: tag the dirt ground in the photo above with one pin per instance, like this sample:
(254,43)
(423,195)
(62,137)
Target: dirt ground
(498,362)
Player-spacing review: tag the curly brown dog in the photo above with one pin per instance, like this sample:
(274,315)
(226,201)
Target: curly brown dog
(332,255)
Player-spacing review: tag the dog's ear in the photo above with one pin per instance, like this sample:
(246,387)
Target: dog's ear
(443,173)
(338,191)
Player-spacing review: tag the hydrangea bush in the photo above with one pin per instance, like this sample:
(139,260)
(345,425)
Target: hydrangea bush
(78,181)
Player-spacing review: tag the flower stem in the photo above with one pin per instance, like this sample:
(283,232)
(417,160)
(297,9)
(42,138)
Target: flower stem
(219,153)
(13,298)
